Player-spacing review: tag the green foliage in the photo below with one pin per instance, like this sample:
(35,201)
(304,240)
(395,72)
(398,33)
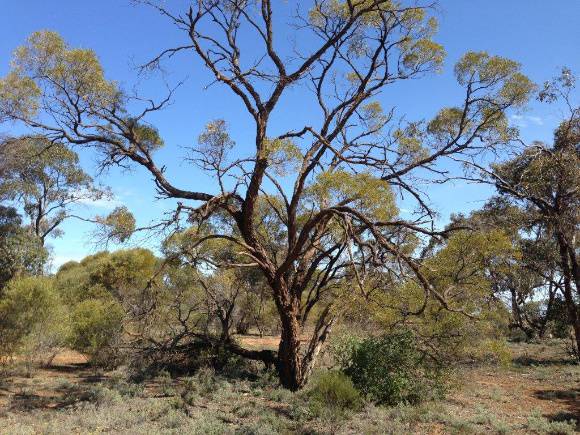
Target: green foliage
(147,135)
(496,83)
(31,316)
(121,275)
(215,141)
(284,156)
(21,252)
(96,326)
(461,270)
(47,67)
(418,51)
(392,369)
(118,226)
(540,424)
(363,192)
(491,351)
(558,319)
(495,72)
(333,390)
(44,178)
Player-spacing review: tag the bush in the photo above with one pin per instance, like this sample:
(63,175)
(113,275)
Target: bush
(538,424)
(95,326)
(492,351)
(32,320)
(391,369)
(335,391)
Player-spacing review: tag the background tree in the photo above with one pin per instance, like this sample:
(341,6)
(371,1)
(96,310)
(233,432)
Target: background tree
(21,253)
(45,180)
(462,268)
(233,295)
(333,220)
(110,297)
(544,180)
(531,283)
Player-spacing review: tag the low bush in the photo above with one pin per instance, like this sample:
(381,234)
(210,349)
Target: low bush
(391,369)
(538,424)
(491,351)
(333,390)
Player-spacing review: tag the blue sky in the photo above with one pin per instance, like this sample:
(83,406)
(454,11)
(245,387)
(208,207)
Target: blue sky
(542,35)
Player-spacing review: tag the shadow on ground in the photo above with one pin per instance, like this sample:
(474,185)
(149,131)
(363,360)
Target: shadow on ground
(22,393)
(570,399)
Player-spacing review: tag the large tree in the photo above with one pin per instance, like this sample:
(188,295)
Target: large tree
(313,207)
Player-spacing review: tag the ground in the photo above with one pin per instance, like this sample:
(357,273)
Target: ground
(539,392)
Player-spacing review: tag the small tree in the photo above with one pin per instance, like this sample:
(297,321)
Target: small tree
(96,328)
(334,218)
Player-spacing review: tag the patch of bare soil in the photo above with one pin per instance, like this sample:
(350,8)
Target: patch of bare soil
(45,387)
(543,381)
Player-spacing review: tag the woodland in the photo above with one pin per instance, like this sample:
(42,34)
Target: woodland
(292,294)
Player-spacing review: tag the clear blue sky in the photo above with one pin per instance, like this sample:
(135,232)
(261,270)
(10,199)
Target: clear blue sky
(542,35)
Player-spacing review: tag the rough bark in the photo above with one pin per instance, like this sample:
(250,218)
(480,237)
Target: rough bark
(573,314)
(289,363)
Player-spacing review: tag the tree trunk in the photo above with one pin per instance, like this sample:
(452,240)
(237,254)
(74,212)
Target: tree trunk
(289,359)
(569,294)
(547,315)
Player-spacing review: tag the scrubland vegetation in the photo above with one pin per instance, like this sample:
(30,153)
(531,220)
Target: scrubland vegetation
(535,392)
(292,295)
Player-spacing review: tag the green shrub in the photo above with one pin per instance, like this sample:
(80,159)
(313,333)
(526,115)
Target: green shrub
(189,392)
(32,320)
(335,391)
(492,351)
(391,369)
(538,424)
(101,395)
(165,383)
(95,326)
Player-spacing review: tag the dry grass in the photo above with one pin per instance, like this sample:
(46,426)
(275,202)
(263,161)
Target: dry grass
(536,394)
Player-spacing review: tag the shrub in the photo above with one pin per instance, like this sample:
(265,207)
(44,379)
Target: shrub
(335,391)
(101,395)
(538,424)
(165,383)
(31,318)
(391,369)
(95,326)
(492,352)
(189,393)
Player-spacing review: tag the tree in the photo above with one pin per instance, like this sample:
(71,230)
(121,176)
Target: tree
(545,181)
(334,219)
(45,179)
(111,297)
(462,267)
(531,280)
(21,253)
